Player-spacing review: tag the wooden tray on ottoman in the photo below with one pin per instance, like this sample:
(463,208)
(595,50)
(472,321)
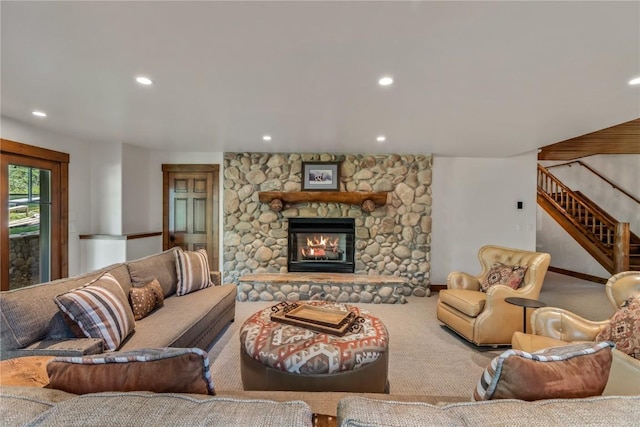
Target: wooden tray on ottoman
(330,321)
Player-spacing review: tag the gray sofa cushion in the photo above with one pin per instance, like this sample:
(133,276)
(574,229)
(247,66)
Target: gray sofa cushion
(602,411)
(30,314)
(68,347)
(148,409)
(160,266)
(19,405)
(181,320)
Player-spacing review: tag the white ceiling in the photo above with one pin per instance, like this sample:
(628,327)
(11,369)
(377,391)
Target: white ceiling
(477,79)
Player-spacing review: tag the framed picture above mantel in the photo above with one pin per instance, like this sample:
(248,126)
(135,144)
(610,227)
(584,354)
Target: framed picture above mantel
(320,176)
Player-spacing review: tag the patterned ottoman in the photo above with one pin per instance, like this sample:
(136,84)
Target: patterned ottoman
(278,356)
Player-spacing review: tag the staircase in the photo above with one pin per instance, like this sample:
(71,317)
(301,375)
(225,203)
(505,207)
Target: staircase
(610,242)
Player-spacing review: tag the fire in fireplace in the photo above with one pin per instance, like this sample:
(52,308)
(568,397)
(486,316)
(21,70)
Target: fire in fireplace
(321,244)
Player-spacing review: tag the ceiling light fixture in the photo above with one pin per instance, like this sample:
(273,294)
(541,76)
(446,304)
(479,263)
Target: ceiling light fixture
(144,80)
(635,81)
(266,138)
(385,81)
(381,138)
(39,113)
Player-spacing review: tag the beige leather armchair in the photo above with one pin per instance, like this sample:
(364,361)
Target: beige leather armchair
(552,326)
(484,318)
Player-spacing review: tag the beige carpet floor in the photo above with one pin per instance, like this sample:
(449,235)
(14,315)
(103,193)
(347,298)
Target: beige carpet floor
(425,357)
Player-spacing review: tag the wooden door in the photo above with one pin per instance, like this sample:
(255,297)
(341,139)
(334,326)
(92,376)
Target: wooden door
(190,214)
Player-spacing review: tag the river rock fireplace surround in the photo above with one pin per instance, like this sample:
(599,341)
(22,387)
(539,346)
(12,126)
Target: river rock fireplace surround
(390,241)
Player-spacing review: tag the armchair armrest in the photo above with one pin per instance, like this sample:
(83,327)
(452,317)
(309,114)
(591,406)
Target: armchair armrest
(459,280)
(564,325)
(624,377)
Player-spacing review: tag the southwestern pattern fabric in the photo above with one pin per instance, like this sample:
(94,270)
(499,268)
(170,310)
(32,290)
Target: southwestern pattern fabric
(146,299)
(624,328)
(100,310)
(159,370)
(303,351)
(501,274)
(192,269)
(571,371)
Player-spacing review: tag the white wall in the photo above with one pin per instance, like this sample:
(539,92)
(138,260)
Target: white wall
(475,204)
(79,176)
(98,253)
(101,252)
(136,183)
(624,170)
(106,188)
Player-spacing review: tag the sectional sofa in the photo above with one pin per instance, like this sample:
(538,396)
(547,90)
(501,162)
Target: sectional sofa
(36,406)
(31,324)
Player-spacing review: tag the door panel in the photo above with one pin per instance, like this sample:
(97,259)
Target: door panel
(191,209)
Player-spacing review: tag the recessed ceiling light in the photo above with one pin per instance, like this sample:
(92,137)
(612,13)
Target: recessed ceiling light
(385,81)
(381,138)
(635,81)
(266,137)
(39,113)
(144,80)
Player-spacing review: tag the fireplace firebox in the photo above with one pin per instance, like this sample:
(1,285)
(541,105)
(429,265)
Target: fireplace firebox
(321,245)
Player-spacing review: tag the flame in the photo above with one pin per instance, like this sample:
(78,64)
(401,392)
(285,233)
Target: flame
(319,245)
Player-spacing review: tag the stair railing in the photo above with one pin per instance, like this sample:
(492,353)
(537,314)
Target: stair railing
(599,175)
(611,238)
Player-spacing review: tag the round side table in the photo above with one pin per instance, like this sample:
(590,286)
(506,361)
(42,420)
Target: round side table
(525,303)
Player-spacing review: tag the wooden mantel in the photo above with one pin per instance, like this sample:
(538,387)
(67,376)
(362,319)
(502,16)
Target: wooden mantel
(366,199)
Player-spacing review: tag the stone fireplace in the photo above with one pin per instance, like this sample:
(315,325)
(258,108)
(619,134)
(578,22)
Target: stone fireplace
(321,245)
(393,240)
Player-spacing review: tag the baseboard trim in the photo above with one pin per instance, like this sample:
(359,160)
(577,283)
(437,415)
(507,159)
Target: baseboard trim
(437,288)
(578,275)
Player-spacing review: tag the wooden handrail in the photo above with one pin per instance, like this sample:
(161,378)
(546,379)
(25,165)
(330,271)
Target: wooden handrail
(610,237)
(599,175)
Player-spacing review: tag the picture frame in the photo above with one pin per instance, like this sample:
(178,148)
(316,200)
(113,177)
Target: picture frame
(320,176)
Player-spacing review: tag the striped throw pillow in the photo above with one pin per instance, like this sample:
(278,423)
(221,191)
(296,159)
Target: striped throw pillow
(571,371)
(192,269)
(100,310)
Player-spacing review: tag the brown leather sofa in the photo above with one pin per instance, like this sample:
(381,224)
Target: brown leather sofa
(552,326)
(484,318)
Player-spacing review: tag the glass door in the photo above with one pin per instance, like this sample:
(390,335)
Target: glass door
(33,214)
(29,225)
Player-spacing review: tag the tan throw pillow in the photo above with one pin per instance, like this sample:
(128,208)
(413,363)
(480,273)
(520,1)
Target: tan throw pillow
(571,371)
(162,370)
(100,310)
(192,269)
(145,299)
(624,328)
(501,274)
